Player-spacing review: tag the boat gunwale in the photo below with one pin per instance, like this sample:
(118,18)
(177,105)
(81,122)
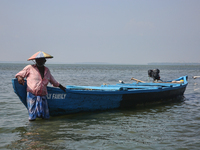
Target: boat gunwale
(123,89)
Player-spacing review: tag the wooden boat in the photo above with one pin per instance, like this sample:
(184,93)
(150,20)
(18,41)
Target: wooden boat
(92,98)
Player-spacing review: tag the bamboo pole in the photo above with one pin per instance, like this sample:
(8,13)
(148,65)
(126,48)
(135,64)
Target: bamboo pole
(196,77)
(137,80)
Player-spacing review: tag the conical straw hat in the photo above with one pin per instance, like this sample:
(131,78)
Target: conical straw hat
(40,54)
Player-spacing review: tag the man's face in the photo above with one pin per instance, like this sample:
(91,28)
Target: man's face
(40,62)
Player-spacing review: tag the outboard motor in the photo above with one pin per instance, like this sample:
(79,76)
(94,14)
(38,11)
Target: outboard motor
(155,74)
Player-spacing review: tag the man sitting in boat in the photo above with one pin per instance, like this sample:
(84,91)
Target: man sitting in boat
(37,76)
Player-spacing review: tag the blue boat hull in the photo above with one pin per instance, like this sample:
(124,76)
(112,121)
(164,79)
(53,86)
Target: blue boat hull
(87,98)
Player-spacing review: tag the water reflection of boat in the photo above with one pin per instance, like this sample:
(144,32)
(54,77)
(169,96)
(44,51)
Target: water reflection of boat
(92,98)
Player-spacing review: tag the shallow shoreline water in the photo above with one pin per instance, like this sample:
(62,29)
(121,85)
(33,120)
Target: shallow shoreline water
(173,125)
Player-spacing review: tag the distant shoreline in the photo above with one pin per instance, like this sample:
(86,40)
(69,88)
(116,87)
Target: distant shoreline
(100,63)
(173,63)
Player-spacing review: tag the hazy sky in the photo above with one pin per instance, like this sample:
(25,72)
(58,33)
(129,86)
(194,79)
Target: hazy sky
(110,31)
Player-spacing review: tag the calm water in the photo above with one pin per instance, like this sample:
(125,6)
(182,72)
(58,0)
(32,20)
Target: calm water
(167,126)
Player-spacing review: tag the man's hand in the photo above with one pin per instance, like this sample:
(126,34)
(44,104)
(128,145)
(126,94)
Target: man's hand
(62,88)
(20,80)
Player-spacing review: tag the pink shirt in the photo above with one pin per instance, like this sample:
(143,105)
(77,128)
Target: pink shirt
(35,84)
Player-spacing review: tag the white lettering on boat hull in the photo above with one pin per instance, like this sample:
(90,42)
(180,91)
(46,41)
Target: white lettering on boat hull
(56,96)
